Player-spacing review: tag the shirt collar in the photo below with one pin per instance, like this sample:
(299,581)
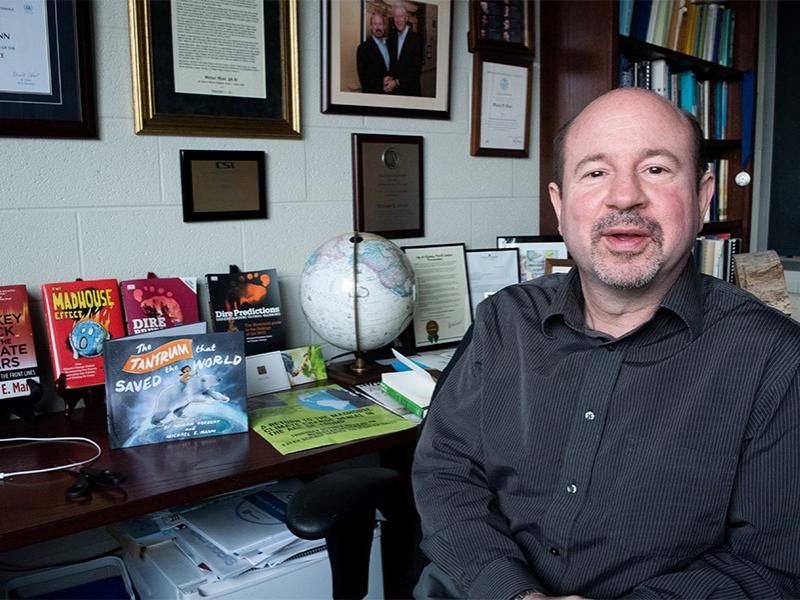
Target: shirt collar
(685,299)
(379,40)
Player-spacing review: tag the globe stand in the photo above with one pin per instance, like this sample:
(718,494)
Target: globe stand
(354,372)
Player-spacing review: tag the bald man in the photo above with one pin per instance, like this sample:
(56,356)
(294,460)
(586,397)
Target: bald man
(630,429)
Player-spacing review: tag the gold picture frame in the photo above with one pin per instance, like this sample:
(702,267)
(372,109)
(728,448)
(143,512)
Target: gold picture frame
(268,108)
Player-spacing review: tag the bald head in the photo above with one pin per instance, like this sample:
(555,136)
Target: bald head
(596,109)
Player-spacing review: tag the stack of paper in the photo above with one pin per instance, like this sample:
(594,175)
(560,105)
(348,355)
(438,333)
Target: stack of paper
(413,388)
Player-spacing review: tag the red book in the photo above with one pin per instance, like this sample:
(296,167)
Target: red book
(17,354)
(159,303)
(81,316)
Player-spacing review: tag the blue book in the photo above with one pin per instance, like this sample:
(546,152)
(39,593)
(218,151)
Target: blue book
(640,19)
(625,16)
(686,84)
(174,387)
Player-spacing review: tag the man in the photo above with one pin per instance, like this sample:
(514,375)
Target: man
(631,429)
(372,58)
(406,52)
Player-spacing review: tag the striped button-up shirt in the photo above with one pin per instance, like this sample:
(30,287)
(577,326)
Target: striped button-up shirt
(661,464)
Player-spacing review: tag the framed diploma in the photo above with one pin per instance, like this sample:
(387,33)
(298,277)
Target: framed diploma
(558,265)
(506,25)
(225,68)
(489,271)
(501,107)
(534,250)
(220,185)
(443,313)
(388,185)
(387,58)
(47,69)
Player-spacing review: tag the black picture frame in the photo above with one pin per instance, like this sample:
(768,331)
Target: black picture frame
(221,184)
(410,341)
(502,25)
(346,24)
(383,167)
(160,110)
(69,110)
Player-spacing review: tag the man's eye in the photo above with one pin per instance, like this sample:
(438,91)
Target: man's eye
(656,170)
(594,174)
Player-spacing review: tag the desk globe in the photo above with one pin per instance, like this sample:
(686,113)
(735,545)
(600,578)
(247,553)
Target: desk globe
(358,300)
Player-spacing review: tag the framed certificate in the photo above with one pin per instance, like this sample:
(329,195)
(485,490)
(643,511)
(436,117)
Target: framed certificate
(443,314)
(47,69)
(229,69)
(489,271)
(534,250)
(501,106)
(219,185)
(506,25)
(388,185)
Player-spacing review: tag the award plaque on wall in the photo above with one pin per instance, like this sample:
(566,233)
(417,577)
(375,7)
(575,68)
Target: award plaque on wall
(388,184)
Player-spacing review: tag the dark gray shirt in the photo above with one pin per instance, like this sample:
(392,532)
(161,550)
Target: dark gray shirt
(662,464)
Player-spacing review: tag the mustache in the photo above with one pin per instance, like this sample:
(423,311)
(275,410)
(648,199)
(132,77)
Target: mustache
(629,219)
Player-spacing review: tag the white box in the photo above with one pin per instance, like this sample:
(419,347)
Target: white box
(51,581)
(164,572)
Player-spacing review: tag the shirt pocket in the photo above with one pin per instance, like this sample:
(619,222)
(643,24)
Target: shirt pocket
(671,501)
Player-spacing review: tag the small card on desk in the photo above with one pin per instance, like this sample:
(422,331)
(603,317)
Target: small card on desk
(266,373)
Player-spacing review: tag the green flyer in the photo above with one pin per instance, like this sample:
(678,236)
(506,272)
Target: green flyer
(304,419)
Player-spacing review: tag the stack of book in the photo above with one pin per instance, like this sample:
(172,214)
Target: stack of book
(697,28)
(412,388)
(713,255)
(718,209)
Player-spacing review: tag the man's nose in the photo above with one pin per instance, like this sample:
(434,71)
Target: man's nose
(625,191)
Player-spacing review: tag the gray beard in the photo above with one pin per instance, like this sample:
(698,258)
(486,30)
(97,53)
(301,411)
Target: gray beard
(618,276)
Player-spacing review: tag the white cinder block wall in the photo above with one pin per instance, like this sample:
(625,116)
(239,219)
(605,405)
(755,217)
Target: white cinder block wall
(111,207)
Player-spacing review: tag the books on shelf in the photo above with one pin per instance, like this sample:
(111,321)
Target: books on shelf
(81,316)
(697,28)
(159,303)
(250,302)
(713,255)
(163,389)
(17,353)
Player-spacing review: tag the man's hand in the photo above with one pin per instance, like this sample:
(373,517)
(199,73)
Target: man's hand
(389,84)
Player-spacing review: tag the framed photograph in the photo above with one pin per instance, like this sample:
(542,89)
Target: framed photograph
(558,265)
(387,58)
(533,251)
(443,314)
(489,271)
(501,106)
(387,185)
(47,69)
(227,71)
(506,25)
(219,185)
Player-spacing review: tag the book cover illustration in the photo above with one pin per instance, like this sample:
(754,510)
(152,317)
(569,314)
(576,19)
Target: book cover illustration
(81,316)
(304,364)
(159,303)
(17,353)
(250,302)
(163,389)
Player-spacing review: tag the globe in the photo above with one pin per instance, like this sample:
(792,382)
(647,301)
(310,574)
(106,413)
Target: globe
(384,290)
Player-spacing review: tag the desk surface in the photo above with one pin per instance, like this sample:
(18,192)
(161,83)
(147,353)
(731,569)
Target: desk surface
(33,508)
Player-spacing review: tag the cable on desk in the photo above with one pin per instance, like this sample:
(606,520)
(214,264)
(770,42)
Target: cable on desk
(79,463)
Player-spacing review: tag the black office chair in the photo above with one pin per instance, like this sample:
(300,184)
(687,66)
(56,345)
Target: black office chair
(340,507)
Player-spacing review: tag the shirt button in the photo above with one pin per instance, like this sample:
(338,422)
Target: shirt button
(610,347)
(554,551)
(588,415)
(572,488)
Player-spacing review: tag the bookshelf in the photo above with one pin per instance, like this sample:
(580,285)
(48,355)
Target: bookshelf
(580,50)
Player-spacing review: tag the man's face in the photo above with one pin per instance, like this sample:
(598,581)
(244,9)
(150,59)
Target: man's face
(377,26)
(399,16)
(629,209)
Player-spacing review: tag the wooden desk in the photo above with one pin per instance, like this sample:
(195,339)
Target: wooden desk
(33,508)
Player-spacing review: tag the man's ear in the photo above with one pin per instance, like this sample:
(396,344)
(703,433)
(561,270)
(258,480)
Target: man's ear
(704,194)
(555,200)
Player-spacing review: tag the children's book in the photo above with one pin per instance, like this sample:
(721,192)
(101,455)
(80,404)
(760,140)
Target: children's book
(250,302)
(17,354)
(81,317)
(304,364)
(159,303)
(162,389)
